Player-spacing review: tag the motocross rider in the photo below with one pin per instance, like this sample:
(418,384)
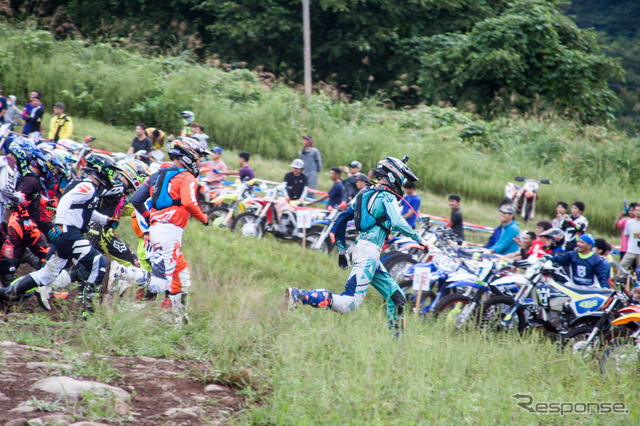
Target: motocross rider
(367,268)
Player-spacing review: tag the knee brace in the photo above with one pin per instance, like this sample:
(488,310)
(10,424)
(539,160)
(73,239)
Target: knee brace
(399,300)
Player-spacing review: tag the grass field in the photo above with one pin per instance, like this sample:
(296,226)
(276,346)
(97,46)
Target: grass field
(317,367)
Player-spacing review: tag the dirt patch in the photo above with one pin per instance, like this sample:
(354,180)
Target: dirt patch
(160,390)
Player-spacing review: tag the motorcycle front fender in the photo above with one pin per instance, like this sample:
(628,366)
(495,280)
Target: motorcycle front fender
(464,284)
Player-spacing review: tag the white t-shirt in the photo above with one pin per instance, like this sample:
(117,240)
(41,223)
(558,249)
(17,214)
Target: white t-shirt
(632,230)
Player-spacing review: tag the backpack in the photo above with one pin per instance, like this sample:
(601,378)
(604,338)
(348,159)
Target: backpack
(362,217)
(160,199)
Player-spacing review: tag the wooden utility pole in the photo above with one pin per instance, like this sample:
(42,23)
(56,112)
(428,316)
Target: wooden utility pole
(306,32)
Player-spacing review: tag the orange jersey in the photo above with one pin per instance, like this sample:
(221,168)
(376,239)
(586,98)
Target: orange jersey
(183,187)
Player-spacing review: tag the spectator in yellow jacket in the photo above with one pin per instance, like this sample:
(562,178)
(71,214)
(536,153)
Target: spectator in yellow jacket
(61,124)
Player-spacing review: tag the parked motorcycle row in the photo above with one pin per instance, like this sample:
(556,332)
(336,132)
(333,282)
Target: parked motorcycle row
(464,289)
(257,207)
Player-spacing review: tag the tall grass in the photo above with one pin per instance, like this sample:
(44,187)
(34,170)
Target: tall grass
(450,151)
(317,367)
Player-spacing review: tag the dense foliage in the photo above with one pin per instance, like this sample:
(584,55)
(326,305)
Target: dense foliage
(616,24)
(490,56)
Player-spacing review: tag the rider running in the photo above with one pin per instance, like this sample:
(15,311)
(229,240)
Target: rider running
(76,209)
(112,204)
(367,268)
(27,225)
(173,192)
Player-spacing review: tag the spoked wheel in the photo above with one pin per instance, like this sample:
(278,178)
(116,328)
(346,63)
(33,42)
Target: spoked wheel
(496,309)
(397,265)
(426,298)
(217,217)
(576,342)
(249,225)
(323,247)
(621,355)
(454,309)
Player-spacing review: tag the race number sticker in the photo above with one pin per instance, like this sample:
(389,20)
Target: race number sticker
(421,276)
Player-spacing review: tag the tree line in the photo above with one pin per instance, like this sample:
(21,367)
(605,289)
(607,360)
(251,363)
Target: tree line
(488,56)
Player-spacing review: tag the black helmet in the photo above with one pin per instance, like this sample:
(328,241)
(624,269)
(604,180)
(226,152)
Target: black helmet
(103,168)
(555,235)
(395,172)
(187,151)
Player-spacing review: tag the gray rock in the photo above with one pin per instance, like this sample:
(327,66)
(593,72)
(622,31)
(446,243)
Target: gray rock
(49,366)
(66,387)
(183,412)
(36,422)
(56,420)
(4,397)
(146,358)
(88,424)
(17,422)
(215,388)
(23,407)
(8,344)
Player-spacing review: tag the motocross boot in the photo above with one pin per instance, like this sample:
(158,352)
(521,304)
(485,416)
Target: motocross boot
(320,298)
(179,307)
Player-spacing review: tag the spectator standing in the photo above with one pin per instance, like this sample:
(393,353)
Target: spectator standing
(3,106)
(412,203)
(34,119)
(157,137)
(561,212)
(188,117)
(212,178)
(455,222)
(510,230)
(620,223)
(336,193)
(296,180)
(603,249)
(27,110)
(574,226)
(361,181)
(61,124)
(349,184)
(197,132)
(245,172)
(13,113)
(632,231)
(141,143)
(312,161)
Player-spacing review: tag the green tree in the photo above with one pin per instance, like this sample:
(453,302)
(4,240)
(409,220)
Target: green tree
(529,53)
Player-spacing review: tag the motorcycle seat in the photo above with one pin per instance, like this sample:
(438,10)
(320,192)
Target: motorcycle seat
(585,290)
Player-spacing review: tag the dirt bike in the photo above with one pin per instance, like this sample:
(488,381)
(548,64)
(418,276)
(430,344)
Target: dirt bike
(273,213)
(622,352)
(555,307)
(492,278)
(588,339)
(320,236)
(523,198)
(226,203)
